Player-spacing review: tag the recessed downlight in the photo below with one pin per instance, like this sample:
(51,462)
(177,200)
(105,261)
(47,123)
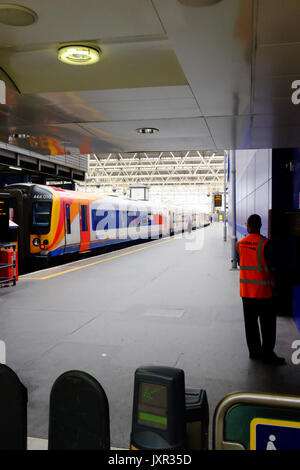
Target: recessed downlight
(79,54)
(12,14)
(147,130)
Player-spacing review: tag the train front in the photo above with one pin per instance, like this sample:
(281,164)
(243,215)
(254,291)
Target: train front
(40,216)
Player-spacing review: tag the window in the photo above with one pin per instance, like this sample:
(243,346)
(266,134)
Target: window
(99,219)
(41,216)
(84,225)
(68,218)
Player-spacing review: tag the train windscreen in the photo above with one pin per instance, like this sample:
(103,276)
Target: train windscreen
(41,216)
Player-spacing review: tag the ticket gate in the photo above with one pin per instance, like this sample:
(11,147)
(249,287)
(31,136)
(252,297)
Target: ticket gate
(13,411)
(252,421)
(165,415)
(79,414)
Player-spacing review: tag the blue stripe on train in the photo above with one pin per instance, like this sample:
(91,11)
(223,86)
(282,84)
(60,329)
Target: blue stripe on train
(74,248)
(104,219)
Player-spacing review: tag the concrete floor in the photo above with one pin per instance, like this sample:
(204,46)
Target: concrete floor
(172,302)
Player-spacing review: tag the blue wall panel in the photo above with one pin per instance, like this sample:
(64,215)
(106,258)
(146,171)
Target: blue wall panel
(296,205)
(253,187)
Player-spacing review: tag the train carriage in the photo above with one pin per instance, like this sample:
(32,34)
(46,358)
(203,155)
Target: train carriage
(57,222)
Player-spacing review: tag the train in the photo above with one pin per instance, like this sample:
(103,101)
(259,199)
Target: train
(55,222)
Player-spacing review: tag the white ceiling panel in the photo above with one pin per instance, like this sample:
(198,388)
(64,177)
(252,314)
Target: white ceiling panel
(171,132)
(192,127)
(145,64)
(123,94)
(133,110)
(214,47)
(230,131)
(78,20)
(116,105)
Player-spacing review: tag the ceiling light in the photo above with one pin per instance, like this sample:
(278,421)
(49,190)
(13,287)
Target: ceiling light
(15,168)
(16,15)
(79,55)
(147,130)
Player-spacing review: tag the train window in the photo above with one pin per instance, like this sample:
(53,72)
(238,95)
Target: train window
(84,225)
(68,218)
(131,218)
(41,215)
(99,219)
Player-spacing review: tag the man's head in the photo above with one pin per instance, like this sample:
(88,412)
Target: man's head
(254,223)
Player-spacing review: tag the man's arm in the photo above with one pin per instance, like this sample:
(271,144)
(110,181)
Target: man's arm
(237,254)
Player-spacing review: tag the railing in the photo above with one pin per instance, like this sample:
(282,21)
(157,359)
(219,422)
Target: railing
(5,280)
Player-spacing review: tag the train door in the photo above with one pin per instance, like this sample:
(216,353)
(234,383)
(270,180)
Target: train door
(21,216)
(165,222)
(84,227)
(72,228)
(171,222)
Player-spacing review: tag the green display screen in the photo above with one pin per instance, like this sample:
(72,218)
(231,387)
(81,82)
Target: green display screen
(152,406)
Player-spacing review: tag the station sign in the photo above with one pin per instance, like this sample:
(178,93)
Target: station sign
(218,200)
(273,434)
(257,421)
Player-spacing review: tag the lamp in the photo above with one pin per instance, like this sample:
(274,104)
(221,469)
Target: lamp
(76,54)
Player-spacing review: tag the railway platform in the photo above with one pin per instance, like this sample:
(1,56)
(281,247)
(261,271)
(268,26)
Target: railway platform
(172,301)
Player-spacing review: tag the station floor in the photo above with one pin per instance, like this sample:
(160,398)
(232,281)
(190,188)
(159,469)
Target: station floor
(168,302)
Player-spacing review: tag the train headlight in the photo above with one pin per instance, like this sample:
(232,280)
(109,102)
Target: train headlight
(45,242)
(36,242)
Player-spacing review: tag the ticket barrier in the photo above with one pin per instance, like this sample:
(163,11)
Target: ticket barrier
(13,411)
(197,419)
(252,421)
(79,414)
(165,415)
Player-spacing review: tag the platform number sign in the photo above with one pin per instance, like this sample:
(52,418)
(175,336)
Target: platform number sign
(273,434)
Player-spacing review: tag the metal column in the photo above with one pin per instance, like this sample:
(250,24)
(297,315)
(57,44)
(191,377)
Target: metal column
(225,177)
(233,207)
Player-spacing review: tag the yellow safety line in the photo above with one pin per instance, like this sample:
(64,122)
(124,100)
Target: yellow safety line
(102,260)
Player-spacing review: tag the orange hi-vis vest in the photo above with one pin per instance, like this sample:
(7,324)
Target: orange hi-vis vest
(256,280)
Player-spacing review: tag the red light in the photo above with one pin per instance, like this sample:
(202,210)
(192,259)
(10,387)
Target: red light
(42,247)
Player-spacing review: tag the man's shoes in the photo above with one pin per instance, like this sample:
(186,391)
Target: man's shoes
(272,358)
(255,356)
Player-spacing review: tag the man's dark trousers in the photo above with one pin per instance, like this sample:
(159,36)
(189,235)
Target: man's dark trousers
(262,309)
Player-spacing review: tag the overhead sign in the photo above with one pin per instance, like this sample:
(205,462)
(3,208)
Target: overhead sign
(218,200)
(273,434)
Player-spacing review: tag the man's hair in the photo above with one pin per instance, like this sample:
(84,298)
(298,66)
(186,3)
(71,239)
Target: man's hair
(254,222)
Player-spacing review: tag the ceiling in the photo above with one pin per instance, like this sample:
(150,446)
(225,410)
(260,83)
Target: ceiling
(212,78)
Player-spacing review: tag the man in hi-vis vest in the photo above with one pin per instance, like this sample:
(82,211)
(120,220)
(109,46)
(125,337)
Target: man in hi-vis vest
(256,290)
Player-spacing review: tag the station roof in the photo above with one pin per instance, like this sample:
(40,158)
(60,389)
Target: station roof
(155,168)
(207,77)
